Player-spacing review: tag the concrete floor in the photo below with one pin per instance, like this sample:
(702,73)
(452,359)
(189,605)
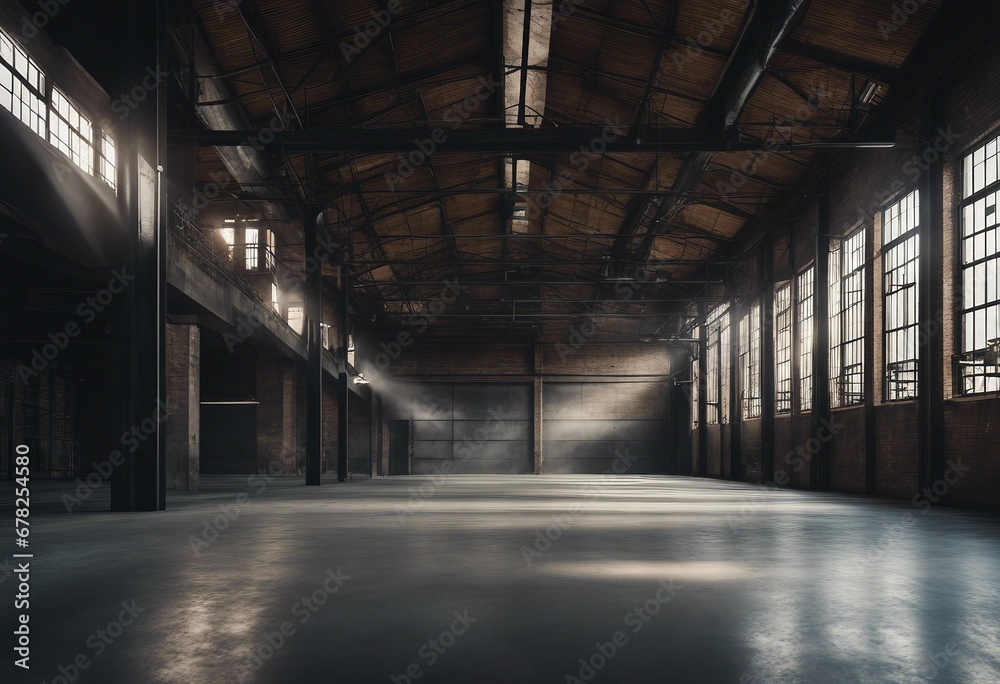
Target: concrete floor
(786,587)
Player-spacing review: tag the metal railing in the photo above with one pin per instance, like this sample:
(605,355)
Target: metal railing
(192,237)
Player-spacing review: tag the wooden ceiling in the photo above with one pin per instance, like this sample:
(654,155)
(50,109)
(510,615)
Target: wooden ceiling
(624,65)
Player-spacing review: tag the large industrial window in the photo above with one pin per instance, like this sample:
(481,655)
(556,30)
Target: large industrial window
(269,258)
(297,318)
(980,370)
(750,363)
(717,366)
(695,395)
(783,348)
(71,132)
(229,237)
(22,85)
(900,258)
(805,289)
(109,161)
(847,322)
(252,248)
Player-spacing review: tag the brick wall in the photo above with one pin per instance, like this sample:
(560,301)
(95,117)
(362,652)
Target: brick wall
(847,451)
(750,461)
(972,436)
(896,463)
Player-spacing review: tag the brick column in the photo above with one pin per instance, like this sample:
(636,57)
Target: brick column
(276,418)
(184,406)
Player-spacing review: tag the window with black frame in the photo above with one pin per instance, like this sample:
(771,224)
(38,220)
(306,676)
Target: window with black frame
(847,322)
(717,366)
(900,261)
(750,363)
(783,348)
(979,361)
(805,289)
(71,132)
(22,85)
(109,161)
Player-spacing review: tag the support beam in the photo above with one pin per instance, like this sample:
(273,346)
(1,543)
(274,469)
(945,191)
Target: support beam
(764,27)
(314,356)
(440,71)
(184,404)
(565,139)
(930,367)
(539,411)
(702,468)
(767,384)
(872,373)
(139,483)
(375,441)
(736,310)
(344,379)
(819,472)
(525,45)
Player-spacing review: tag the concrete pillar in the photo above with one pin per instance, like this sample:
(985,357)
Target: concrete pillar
(140,482)
(276,416)
(819,471)
(374,457)
(538,413)
(767,382)
(331,422)
(931,366)
(183,406)
(314,363)
(736,311)
(343,379)
(702,468)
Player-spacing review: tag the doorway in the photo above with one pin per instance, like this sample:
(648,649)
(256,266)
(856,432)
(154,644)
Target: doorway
(399,447)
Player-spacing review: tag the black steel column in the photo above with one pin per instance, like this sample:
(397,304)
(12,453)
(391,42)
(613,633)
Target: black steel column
(930,366)
(314,355)
(702,408)
(374,418)
(819,471)
(344,392)
(736,386)
(872,374)
(767,393)
(672,425)
(10,445)
(139,483)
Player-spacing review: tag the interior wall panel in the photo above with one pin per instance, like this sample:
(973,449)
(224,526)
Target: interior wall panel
(597,427)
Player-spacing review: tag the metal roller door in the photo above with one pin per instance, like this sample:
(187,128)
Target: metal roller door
(588,426)
(471,428)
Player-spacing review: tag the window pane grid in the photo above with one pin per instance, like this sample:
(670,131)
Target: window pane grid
(717,367)
(695,394)
(229,237)
(70,132)
(847,322)
(901,258)
(783,348)
(269,258)
(22,85)
(980,271)
(981,168)
(109,161)
(252,248)
(750,363)
(805,288)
